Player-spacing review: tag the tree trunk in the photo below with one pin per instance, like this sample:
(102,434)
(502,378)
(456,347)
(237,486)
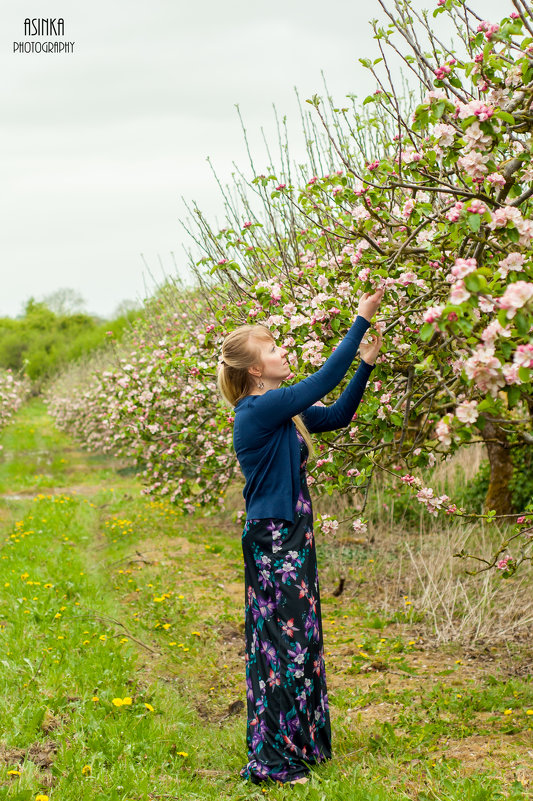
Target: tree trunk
(501,468)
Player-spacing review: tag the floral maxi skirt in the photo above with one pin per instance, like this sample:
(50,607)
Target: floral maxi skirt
(288,715)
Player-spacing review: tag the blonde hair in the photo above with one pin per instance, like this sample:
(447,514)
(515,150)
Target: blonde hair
(240,351)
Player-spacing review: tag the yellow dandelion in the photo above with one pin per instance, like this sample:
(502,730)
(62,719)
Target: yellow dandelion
(117,702)
(149,707)
(127,701)
(182,753)
(95,698)
(529,711)
(102,637)
(86,770)
(165,626)
(41,797)
(13,773)
(508,712)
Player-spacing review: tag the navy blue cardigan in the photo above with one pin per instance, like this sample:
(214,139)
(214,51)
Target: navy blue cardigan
(264,435)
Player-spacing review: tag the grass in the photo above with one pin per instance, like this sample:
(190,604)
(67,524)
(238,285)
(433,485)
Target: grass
(122,669)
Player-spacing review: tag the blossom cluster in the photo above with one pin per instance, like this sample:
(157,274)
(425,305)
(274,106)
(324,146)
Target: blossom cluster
(13,392)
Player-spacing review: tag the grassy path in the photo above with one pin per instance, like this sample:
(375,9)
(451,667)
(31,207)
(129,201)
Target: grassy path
(121,658)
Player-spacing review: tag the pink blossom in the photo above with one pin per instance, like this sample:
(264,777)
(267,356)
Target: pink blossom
(408,207)
(501,217)
(280,187)
(474,164)
(515,297)
(513,261)
(520,519)
(328,524)
(432,314)
(359,526)
(489,28)
(443,432)
(410,155)
(474,108)
(484,369)
(441,72)
(373,165)
(523,356)
(360,213)
(503,563)
(493,331)
(496,178)
(459,293)
(463,267)
(408,479)
(476,139)
(444,134)
(455,212)
(467,412)
(510,373)
(477,207)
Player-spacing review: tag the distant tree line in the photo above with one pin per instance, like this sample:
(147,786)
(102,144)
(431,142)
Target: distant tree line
(49,335)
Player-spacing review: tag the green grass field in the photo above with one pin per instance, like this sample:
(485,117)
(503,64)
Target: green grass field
(122,657)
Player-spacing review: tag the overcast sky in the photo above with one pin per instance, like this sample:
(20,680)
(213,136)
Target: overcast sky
(98,146)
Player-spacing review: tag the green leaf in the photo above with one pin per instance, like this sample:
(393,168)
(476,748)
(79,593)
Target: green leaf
(476,282)
(396,419)
(474,222)
(514,394)
(487,405)
(426,332)
(522,323)
(505,116)
(524,374)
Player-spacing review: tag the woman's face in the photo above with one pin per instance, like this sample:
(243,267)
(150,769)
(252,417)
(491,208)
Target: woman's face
(274,365)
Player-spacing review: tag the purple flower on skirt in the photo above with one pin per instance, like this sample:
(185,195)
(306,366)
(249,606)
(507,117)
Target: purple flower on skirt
(302,701)
(249,689)
(270,652)
(297,653)
(294,724)
(265,607)
(288,571)
(259,730)
(259,769)
(264,579)
(303,505)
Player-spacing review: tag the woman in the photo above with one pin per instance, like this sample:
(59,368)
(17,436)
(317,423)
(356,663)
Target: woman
(288,716)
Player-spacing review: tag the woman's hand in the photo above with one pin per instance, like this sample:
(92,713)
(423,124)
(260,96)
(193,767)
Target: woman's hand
(369,304)
(370,347)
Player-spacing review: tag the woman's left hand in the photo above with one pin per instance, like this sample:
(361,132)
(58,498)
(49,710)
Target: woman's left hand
(370,347)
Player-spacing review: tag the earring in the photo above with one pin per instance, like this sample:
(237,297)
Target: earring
(260,385)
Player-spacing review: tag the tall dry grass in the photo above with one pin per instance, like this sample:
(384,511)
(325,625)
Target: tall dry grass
(408,553)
